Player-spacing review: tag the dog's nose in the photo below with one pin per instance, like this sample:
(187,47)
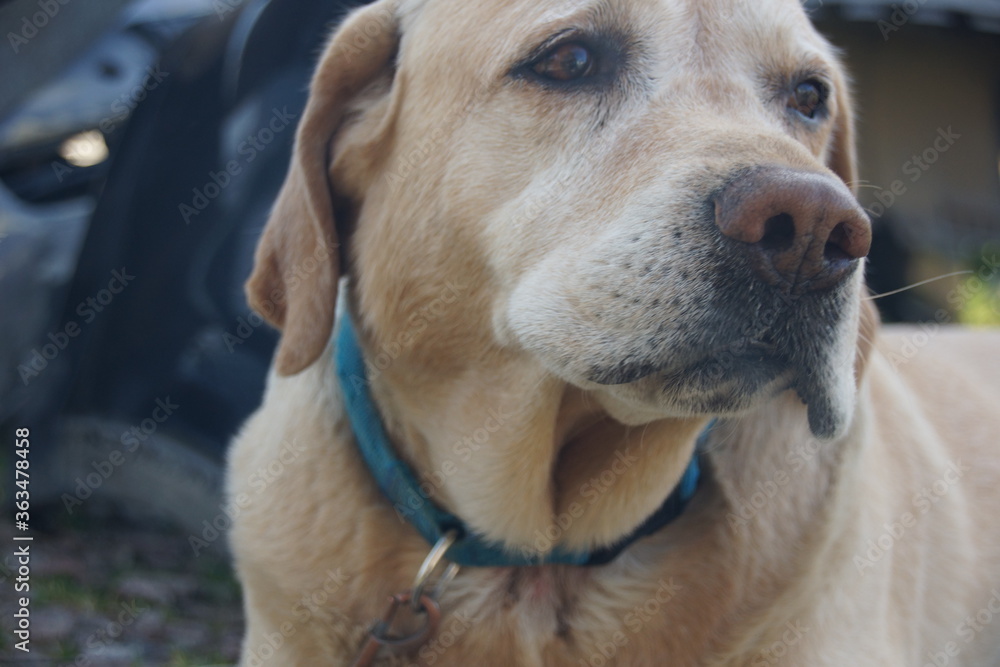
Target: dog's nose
(801,230)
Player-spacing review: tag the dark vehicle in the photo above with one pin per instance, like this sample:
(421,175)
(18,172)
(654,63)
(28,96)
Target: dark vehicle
(133,185)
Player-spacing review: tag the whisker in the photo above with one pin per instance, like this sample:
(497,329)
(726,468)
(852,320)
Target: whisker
(922,282)
(866,339)
(642,436)
(719,442)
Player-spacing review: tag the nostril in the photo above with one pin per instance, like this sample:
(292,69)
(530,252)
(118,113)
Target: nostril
(836,248)
(779,233)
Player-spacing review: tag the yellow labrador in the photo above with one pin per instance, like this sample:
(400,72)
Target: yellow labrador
(574,234)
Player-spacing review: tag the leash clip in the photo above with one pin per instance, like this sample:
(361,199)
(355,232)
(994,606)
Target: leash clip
(416,601)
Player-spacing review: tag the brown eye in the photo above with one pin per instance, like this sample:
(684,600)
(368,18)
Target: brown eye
(567,62)
(807,98)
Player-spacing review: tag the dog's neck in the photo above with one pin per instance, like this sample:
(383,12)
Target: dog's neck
(533,464)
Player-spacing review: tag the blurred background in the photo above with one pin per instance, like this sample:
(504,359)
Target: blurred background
(141,144)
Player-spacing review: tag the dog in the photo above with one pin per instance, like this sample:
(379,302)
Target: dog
(598,256)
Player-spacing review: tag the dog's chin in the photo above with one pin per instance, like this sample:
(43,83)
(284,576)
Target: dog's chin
(706,389)
(698,392)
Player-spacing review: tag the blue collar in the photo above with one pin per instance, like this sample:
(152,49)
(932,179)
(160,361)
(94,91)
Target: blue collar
(400,485)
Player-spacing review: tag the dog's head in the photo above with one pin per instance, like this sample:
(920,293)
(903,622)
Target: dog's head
(650,199)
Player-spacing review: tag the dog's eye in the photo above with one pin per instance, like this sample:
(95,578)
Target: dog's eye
(808,98)
(567,62)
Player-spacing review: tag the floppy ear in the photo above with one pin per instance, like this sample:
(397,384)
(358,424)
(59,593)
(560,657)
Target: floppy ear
(842,156)
(296,269)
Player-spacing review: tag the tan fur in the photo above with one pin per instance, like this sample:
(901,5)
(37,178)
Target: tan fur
(504,241)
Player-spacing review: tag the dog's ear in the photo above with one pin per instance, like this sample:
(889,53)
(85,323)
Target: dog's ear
(294,280)
(842,156)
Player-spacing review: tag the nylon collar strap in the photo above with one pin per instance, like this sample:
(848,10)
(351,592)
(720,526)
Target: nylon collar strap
(399,484)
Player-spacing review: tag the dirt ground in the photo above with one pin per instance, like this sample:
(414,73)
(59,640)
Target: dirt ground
(108,591)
